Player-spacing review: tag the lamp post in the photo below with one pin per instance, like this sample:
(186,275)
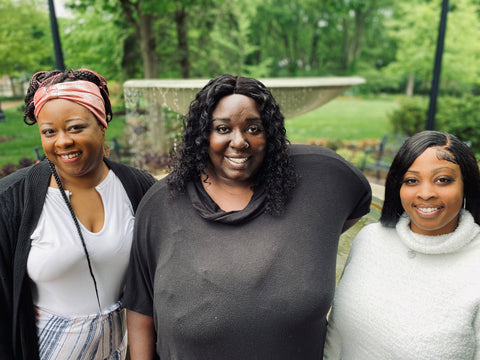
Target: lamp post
(432,108)
(56,38)
(2,114)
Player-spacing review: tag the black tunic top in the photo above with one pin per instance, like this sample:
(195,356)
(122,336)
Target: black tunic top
(244,284)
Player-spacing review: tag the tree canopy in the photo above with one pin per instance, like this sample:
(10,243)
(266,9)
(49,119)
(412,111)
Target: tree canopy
(385,41)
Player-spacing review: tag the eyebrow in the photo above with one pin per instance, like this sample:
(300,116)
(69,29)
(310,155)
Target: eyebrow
(253,118)
(434,171)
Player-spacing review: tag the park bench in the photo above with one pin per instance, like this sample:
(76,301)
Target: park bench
(115,153)
(379,158)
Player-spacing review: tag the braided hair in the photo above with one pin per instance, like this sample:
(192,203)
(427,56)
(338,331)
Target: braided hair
(45,78)
(277,174)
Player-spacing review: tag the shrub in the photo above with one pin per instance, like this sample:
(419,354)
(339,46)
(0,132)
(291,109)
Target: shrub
(410,117)
(460,117)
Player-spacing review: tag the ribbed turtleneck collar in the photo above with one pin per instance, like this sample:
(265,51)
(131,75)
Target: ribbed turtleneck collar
(465,232)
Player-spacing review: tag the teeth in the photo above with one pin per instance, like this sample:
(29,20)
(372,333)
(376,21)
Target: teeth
(427,210)
(69,156)
(238,160)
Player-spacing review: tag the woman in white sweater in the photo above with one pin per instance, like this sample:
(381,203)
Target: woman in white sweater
(411,286)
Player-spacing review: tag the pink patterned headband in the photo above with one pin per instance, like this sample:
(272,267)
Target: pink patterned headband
(82,92)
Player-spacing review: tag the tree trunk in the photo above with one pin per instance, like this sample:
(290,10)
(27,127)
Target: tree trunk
(354,44)
(410,85)
(183,50)
(143,25)
(148,47)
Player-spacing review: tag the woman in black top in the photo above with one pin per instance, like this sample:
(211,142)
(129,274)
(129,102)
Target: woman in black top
(234,252)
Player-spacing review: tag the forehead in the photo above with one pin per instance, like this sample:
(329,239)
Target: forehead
(434,158)
(235,104)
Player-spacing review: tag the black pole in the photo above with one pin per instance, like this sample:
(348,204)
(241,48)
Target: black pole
(56,38)
(432,108)
(2,114)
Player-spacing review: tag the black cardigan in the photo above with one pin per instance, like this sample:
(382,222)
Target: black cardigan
(22,196)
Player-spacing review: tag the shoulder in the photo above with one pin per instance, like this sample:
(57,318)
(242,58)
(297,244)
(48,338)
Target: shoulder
(18,178)
(155,198)
(374,234)
(316,162)
(128,174)
(306,156)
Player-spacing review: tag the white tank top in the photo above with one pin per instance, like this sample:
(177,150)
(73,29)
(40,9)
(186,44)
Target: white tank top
(62,283)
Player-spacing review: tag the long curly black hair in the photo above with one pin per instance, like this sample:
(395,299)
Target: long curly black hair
(191,158)
(45,78)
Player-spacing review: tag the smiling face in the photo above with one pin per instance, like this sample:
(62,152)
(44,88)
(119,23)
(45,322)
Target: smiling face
(432,193)
(71,138)
(237,140)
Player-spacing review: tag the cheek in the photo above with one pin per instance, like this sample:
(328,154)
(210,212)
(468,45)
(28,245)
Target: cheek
(215,144)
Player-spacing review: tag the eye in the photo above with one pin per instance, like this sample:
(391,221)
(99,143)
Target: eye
(47,132)
(410,181)
(444,180)
(76,128)
(222,129)
(255,129)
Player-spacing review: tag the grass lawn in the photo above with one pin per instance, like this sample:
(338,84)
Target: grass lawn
(342,118)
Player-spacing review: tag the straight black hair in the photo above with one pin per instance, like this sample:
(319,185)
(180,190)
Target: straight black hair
(413,147)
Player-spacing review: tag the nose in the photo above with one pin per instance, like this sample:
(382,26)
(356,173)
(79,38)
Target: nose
(426,191)
(63,140)
(238,140)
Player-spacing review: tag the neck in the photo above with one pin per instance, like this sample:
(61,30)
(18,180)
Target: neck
(86,181)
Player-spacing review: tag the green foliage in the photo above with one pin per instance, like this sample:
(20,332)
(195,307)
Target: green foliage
(458,116)
(25,44)
(410,117)
(93,41)
(414,27)
(461,117)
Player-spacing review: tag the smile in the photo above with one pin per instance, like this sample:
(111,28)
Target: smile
(428,210)
(70,156)
(237,160)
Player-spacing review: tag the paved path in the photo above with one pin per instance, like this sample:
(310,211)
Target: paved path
(9,104)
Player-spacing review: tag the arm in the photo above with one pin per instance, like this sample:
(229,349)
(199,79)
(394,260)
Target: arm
(6,291)
(476,328)
(332,349)
(141,336)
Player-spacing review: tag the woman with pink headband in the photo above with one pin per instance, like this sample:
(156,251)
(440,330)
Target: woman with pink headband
(66,228)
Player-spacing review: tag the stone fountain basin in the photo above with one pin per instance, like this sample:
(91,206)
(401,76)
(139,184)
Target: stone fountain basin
(296,96)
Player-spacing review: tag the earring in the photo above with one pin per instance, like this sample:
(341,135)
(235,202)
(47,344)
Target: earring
(464,202)
(106,148)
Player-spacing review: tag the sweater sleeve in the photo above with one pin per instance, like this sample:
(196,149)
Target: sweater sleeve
(332,349)
(476,328)
(6,289)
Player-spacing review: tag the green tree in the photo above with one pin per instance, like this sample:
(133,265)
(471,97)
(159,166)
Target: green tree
(92,39)
(25,38)
(415,29)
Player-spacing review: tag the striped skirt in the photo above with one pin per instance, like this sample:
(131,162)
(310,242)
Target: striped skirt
(99,336)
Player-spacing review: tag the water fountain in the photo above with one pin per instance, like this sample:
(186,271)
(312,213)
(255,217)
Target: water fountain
(152,106)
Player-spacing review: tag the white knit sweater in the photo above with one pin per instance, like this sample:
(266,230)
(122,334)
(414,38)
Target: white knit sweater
(408,296)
